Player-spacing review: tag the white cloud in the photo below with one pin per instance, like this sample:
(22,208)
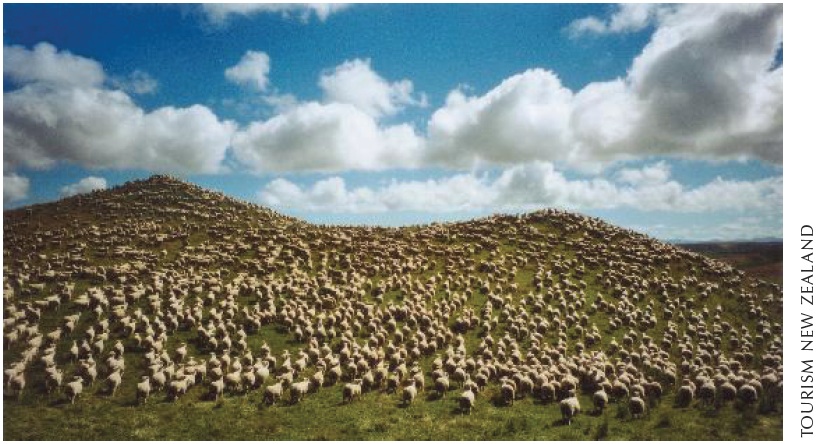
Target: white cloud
(526,117)
(326,137)
(356,83)
(628,17)
(63,112)
(99,128)
(15,187)
(705,85)
(648,175)
(252,70)
(138,82)
(45,64)
(220,13)
(281,102)
(528,187)
(85,185)
(702,88)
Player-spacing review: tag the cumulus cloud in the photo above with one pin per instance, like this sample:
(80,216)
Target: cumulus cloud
(706,86)
(528,187)
(325,137)
(252,70)
(703,87)
(138,82)
(648,175)
(220,13)
(524,118)
(628,17)
(15,187)
(280,102)
(63,112)
(85,185)
(356,83)
(99,128)
(44,64)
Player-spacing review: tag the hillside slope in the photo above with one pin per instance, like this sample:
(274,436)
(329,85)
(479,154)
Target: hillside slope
(186,286)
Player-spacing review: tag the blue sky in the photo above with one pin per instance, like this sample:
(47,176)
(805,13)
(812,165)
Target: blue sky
(665,119)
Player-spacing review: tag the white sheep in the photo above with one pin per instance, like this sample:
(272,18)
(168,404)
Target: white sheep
(177,388)
(600,400)
(685,395)
(352,390)
(74,388)
(144,389)
(217,388)
(409,393)
(299,389)
(272,393)
(637,407)
(466,401)
(707,393)
(262,372)
(54,379)
(17,383)
(249,378)
(570,407)
(233,381)
(181,352)
(442,385)
(114,380)
(508,393)
(747,394)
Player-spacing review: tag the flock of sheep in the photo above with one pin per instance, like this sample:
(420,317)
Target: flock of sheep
(171,283)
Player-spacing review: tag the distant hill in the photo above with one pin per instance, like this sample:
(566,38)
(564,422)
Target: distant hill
(763,259)
(197,306)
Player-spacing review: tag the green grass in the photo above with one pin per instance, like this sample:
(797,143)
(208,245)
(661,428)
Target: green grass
(376,416)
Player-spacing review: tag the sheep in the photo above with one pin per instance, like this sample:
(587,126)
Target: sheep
(600,400)
(262,373)
(409,394)
(726,392)
(508,392)
(747,394)
(272,393)
(570,407)
(74,351)
(637,407)
(684,396)
(217,388)
(317,379)
(159,379)
(233,381)
(177,388)
(418,381)
(707,392)
(54,379)
(89,371)
(352,390)
(181,352)
(466,401)
(442,385)
(249,378)
(17,383)
(114,380)
(144,389)
(298,390)
(74,388)
(546,392)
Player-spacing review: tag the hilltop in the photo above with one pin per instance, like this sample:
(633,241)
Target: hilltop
(187,286)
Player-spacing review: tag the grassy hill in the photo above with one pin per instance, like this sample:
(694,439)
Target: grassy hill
(559,295)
